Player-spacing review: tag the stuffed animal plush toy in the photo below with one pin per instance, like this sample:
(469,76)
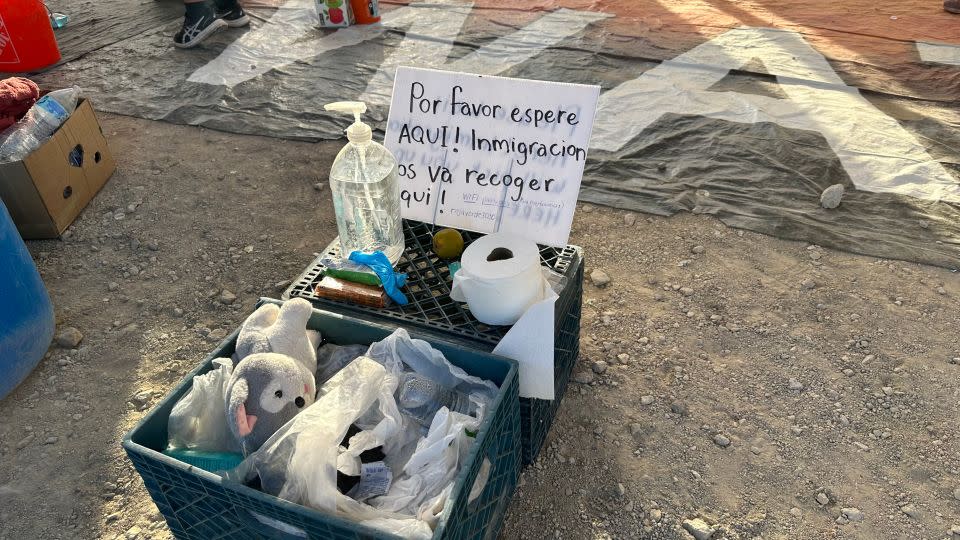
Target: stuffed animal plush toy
(281,330)
(265,391)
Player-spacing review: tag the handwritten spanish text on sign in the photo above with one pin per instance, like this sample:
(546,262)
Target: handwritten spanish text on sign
(490,154)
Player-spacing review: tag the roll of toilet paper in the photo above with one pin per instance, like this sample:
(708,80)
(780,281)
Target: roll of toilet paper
(499,278)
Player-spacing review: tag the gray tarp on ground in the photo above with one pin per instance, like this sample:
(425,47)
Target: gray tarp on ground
(752,174)
(95,24)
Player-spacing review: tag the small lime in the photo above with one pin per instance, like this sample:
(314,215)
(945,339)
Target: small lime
(448,243)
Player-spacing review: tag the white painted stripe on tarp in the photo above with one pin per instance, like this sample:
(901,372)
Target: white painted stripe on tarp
(429,33)
(524,44)
(281,40)
(428,45)
(940,53)
(876,152)
(288,36)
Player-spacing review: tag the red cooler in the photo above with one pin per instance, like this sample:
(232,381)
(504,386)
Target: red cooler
(26,36)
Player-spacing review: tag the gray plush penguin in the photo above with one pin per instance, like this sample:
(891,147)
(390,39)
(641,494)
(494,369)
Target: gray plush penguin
(265,391)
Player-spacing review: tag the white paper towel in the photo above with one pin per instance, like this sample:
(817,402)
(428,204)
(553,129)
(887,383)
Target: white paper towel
(530,343)
(503,290)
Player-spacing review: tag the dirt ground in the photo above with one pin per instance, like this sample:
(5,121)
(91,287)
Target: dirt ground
(769,389)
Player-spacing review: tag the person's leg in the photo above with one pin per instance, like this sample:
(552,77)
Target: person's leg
(953,6)
(232,13)
(199,23)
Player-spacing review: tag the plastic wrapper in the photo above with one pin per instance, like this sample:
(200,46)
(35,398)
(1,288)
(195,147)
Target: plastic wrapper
(198,420)
(342,290)
(349,270)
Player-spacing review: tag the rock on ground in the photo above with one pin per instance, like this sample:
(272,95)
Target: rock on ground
(830,198)
(852,514)
(910,510)
(599,278)
(698,529)
(583,377)
(69,338)
(721,440)
(679,407)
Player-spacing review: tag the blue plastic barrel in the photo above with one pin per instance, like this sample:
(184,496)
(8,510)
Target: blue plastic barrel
(26,314)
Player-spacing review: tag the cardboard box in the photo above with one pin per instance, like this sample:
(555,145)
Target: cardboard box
(48,189)
(335,13)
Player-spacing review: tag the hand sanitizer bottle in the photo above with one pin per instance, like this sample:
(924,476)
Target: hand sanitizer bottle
(366,190)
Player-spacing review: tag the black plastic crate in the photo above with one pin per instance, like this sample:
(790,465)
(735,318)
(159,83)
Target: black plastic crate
(432,311)
(203,506)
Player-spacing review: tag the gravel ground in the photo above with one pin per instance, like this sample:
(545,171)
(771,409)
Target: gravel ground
(730,385)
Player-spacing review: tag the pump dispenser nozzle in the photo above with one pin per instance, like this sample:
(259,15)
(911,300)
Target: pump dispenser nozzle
(358,132)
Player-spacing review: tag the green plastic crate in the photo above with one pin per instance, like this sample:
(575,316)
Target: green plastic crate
(201,505)
(434,313)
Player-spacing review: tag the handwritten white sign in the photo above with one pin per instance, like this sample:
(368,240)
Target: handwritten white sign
(490,154)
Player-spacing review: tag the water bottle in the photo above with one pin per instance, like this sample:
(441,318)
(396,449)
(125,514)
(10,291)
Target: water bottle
(421,397)
(40,122)
(59,20)
(366,191)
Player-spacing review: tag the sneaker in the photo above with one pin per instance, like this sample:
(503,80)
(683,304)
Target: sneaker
(197,30)
(235,17)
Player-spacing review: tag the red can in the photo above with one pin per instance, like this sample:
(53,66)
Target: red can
(365,11)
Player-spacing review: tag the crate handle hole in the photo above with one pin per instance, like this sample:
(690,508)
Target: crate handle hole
(76,156)
(499,254)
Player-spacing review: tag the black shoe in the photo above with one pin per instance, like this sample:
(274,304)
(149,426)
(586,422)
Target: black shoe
(234,16)
(196,30)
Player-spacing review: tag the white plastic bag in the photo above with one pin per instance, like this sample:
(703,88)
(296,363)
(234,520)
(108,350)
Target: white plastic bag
(300,462)
(198,420)
(433,465)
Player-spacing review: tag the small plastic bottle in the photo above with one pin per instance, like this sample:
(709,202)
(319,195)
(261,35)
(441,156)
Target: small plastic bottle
(365,190)
(421,397)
